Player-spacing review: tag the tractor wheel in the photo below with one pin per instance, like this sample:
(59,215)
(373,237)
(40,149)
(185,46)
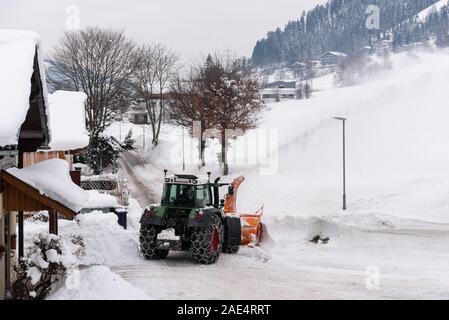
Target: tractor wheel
(206,243)
(230,249)
(147,240)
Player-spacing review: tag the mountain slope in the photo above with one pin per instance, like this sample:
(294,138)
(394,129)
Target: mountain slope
(340,26)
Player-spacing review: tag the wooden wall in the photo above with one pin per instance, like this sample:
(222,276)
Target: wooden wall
(30,158)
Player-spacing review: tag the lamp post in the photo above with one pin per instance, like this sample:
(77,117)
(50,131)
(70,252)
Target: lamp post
(343,120)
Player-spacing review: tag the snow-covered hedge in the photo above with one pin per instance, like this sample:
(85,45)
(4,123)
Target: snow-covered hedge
(47,259)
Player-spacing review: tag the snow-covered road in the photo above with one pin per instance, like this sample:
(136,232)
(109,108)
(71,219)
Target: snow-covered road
(376,263)
(139,186)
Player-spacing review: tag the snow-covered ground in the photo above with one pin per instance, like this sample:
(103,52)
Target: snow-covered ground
(392,242)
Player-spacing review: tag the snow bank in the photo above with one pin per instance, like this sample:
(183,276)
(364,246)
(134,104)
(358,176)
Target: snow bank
(67,121)
(107,243)
(17,51)
(98,283)
(52,178)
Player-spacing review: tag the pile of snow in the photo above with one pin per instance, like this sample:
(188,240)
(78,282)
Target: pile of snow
(52,178)
(67,121)
(106,242)
(168,234)
(98,283)
(17,52)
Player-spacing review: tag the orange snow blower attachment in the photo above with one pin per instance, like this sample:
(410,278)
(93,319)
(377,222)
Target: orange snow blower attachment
(251,223)
(230,205)
(251,228)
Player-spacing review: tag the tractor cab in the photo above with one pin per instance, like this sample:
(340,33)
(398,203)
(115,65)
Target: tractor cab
(190,191)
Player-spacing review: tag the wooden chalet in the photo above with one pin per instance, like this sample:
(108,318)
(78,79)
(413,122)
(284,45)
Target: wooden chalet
(33,134)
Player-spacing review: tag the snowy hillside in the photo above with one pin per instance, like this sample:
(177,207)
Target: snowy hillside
(396,136)
(424,14)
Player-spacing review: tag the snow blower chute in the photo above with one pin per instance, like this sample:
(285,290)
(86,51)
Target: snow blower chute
(251,223)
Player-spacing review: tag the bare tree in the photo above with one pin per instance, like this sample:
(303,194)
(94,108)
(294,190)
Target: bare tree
(222,96)
(100,63)
(236,103)
(189,105)
(156,69)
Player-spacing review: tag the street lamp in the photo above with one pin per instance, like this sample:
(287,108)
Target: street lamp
(343,120)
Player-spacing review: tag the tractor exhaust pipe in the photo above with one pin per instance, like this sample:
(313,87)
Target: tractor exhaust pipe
(208,176)
(165,173)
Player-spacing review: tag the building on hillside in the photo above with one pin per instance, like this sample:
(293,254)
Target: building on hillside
(331,59)
(306,70)
(26,127)
(383,46)
(278,90)
(364,51)
(137,114)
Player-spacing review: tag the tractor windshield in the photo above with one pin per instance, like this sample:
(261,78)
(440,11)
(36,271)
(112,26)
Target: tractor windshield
(181,195)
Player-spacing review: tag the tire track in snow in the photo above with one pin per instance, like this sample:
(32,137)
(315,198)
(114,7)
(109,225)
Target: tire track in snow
(139,189)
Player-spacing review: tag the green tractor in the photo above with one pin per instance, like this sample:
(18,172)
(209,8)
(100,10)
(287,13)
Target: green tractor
(191,217)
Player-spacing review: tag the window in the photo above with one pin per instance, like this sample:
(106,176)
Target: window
(180,195)
(202,196)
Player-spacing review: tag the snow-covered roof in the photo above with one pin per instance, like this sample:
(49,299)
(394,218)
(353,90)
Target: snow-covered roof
(278,91)
(68,121)
(52,178)
(334,53)
(186,179)
(17,51)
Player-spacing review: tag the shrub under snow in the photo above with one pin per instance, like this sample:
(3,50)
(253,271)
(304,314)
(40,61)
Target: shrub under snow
(47,258)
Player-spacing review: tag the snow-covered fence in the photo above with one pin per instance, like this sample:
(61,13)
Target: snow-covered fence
(110,184)
(103,185)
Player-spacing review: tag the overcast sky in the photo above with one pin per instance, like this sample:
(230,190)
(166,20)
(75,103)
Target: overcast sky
(191,27)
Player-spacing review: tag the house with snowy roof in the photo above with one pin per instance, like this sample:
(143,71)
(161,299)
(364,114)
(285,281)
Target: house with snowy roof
(278,90)
(35,129)
(331,58)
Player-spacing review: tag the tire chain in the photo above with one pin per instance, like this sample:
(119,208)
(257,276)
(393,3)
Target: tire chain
(201,241)
(148,241)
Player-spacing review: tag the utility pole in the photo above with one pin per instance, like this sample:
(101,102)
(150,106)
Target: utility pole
(183,152)
(143,142)
(343,120)
(120,125)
